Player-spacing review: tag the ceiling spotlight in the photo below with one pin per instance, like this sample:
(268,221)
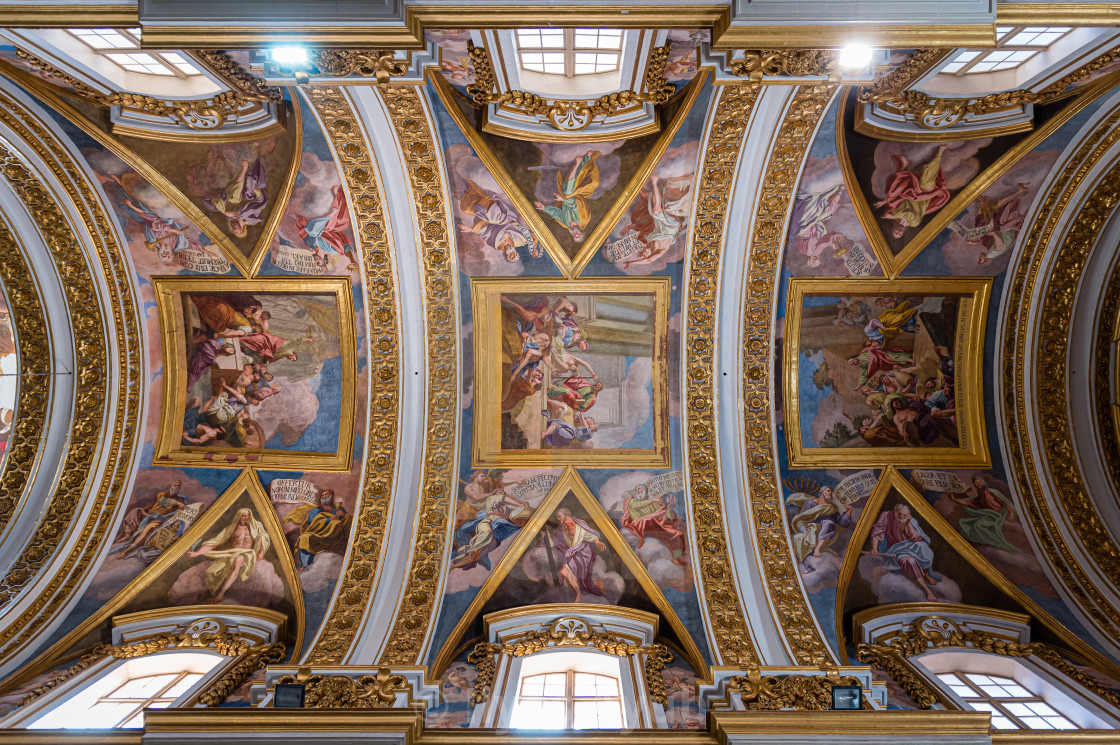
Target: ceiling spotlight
(855,57)
(289,55)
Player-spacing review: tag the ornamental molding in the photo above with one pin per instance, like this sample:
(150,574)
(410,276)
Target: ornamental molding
(569,632)
(1050,477)
(339,691)
(569,115)
(371,230)
(763,273)
(104,375)
(760,692)
(719,593)
(893,93)
(758,64)
(245,101)
(938,632)
(419,597)
(343,63)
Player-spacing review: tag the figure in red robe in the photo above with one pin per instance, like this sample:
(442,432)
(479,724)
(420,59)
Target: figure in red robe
(914,194)
(653,517)
(326,234)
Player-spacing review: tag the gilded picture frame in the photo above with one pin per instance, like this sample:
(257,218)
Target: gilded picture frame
(972,295)
(486,297)
(170,448)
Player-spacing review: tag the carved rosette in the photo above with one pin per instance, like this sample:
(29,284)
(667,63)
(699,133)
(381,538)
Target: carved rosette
(359,171)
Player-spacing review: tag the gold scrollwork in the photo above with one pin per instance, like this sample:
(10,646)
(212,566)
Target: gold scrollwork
(200,114)
(941,113)
(33,347)
(251,657)
(725,138)
(798,692)
(934,632)
(1051,340)
(227,68)
(795,136)
(1106,378)
(342,63)
(569,115)
(562,633)
(371,229)
(894,82)
(437,496)
(343,692)
(92,437)
(798,63)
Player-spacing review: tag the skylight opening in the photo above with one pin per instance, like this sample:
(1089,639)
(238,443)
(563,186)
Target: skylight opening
(1014,46)
(569,52)
(112,44)
(1011,705)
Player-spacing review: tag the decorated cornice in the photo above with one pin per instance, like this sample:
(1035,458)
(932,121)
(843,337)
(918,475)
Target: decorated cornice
(758,64)
(569,115)
(324,691)
(937,632)
(434,513)
(936,113)
(1052,479)
(95,467)
(775,203)
(204,114)
(341,63)
(356,585)
(720,595)
(788,692)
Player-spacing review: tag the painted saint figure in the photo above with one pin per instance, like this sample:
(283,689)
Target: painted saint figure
(577,541)
(654,517)
(898,538)
(499,517)
(996,223)
(988,511)
(913,194)
(140,522)
(163,235)
(817,523)
(572,194)
(326,235)
(244,198)
(659,216)
(322,527)
(233,554)
(813,237)
(560,433)
(497,223)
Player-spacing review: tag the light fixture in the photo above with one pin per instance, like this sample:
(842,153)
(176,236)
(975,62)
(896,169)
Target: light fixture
(847,698)
(288,696)
(855,57)
(289,55)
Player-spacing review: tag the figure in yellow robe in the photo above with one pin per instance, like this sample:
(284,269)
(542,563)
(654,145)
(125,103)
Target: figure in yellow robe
(572,209)
(322,527)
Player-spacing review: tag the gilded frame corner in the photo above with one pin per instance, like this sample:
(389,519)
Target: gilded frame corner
(968,359)
(170,452)
(486,450)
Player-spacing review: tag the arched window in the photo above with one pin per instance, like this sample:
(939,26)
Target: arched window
(118,697)
(1020,694)
(569,690)
(569,52)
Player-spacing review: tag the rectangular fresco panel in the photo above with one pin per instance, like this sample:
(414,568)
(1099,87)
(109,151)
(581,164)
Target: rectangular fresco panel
(257,371)
(885,368)
(570,372)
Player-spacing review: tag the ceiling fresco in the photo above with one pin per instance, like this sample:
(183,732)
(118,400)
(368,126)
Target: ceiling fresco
(402,373)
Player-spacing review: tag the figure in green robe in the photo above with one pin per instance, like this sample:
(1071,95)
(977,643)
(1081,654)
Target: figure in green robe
(987,513)
(572,209)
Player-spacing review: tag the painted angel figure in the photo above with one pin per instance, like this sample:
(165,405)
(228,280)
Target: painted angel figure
(163,235)
(813,238)
(326,235)
(913,193)
(572,194)
(244,198)
(497,223)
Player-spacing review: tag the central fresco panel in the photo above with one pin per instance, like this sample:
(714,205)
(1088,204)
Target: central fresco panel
(571,372)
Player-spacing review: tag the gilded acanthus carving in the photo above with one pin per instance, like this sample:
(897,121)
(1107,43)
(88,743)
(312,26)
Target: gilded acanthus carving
(1051,340)
(93,441)
(371,230)
(343,692)
(775,203)
(1106,380)
(797,692)
(199,114)
(940,113)
(250,85)
(568,632)
(934,632)
(896,81)
(438,277)
(798,63)
(720,594)
(250,658)
(33,348)
(566,114)
(342,63)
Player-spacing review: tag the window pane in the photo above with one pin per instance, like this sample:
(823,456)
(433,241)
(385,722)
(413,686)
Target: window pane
(552,38)
(585,684)
(143,687)
(1002,723)
(134,722)
(1016,690)
(1019,710)
(610,714)
(606,685)
(533,686)
(952,67)
(529,38)
(1041,708)
(182,686)
(100,716)
(586,38)
(586,715)
(1036,723)
(610,39)
(1060,722)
